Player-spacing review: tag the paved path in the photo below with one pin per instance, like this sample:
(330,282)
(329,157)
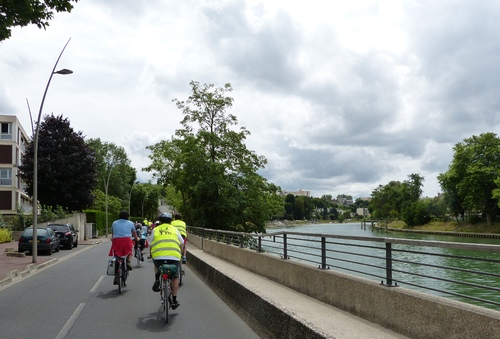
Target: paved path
(13,267)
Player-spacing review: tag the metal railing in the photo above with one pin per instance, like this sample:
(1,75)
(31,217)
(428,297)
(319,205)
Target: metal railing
(462,271)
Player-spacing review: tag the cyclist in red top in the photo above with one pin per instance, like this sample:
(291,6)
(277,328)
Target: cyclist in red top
(121,243)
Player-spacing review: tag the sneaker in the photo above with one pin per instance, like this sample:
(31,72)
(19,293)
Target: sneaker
(175,304)
(183,259)
(129,266)
(156,286)
(116,281)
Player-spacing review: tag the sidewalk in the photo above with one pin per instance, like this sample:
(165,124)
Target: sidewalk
(15,265)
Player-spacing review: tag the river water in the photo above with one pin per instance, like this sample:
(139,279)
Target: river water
(355,229)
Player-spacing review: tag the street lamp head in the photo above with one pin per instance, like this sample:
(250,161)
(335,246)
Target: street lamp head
(63,71)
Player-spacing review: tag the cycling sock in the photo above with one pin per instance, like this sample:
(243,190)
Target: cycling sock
(157,276)
(174,299)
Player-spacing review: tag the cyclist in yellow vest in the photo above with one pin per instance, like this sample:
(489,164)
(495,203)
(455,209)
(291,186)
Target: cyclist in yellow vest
(166,246)
(181,226)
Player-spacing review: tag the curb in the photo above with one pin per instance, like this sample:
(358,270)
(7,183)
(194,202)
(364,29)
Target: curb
(30,269)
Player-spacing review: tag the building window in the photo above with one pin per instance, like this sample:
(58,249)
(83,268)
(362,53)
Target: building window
(6,200)
(6,154)
(6,130)
(5,176)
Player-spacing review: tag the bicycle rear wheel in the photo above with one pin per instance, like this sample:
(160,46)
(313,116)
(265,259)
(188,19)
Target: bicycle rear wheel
(138,256)
(120,275)
(124,273)
(165,292)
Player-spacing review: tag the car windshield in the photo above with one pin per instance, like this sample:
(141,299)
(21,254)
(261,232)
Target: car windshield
(58,228)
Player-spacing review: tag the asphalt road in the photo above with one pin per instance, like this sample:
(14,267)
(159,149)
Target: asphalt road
(74,298)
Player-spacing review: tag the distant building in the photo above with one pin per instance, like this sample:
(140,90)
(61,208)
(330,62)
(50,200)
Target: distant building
(362,211)
(13,140)
(300,193)
(344,200)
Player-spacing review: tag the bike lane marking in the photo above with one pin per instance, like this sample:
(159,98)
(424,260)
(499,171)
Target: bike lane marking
(96,286)
(71,321)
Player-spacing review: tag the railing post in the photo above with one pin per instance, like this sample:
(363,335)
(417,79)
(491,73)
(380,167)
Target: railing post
(241,240)
(323,253)
(259,249)
(285,252)
(202,237)
(388,263)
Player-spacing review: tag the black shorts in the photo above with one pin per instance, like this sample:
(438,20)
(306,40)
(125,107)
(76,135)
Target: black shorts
(160,262)
(142,244)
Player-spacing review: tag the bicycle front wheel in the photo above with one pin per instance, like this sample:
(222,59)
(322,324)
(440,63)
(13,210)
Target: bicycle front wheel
(180,273)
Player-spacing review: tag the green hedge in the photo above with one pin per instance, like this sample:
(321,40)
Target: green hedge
(99,218)
(5,234)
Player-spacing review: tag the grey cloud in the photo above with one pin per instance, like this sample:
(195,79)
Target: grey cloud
(260,55)
(459,52)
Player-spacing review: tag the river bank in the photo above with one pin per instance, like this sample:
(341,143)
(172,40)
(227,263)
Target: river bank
(453,228)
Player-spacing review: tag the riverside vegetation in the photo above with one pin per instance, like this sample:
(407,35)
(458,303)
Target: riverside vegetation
(450,226)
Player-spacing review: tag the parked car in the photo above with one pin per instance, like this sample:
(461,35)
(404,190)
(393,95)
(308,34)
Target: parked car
(67,234)
(46,239)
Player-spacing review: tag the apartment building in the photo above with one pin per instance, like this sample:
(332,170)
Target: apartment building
(299,193)
(13,140)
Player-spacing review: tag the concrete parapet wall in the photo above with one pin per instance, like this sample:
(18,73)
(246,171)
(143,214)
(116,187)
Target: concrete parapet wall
(266,319)
(405,311)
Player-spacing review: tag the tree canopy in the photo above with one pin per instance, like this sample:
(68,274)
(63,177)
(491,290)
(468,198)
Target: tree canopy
(209,164)
(66,166)
(115,175)
(471,182)
(24,12)
(401,200)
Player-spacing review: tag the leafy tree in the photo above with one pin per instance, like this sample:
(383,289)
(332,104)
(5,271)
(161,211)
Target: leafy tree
(470,179)
(274,202)
(392,200)
(416,213)
(24,12)
(114,204)
(386,200)
(116,177)
(289,206)
(209,164)
(299,208)
(448,182)
(66,166)
(332,214)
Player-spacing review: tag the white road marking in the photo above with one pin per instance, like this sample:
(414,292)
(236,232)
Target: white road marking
(97,284)
(71,321)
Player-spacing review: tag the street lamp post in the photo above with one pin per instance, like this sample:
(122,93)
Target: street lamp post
(35,156)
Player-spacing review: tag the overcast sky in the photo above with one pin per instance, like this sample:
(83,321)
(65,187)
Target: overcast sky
(339,96)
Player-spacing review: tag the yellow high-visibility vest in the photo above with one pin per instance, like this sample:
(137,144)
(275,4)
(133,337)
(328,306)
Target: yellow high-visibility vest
(181,226)
(165,242)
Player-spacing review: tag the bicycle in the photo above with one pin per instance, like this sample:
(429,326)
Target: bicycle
(122,272)
(181,273)
(167,272)
(138,254)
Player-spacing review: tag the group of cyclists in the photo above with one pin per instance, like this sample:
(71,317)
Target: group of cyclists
(166,240)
